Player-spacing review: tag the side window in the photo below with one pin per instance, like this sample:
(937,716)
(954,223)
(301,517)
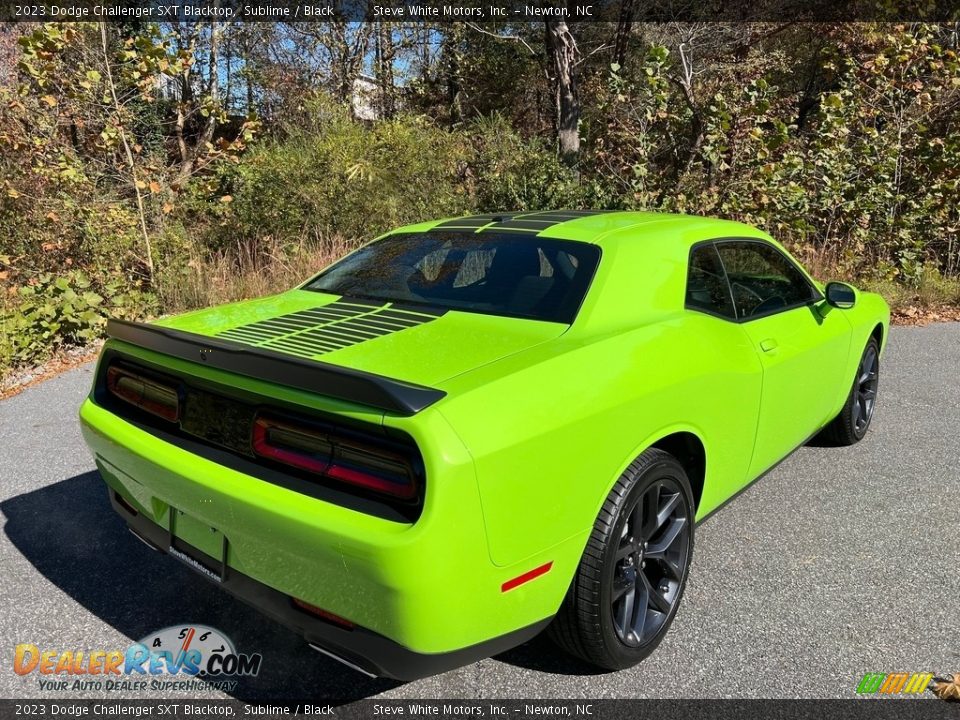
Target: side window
(707,288)
(762,279)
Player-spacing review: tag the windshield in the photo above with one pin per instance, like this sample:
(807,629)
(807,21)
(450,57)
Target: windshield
(495,273)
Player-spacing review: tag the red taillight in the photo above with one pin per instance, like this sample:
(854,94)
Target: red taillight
(145,393)
(289,445)
(334,456)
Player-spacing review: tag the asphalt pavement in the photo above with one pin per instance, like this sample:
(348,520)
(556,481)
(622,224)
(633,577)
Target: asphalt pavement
(839,562)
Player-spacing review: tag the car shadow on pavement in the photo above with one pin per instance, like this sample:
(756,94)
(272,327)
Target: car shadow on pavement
(69,532)
(542,655)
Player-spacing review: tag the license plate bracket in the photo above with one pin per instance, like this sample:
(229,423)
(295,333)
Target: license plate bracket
(198,545)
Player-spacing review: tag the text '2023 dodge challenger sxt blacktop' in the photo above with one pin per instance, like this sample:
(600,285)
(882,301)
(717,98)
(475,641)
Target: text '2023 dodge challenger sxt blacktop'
(472,429)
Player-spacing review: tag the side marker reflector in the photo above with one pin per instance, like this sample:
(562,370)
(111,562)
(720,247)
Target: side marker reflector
(323,614)
(526,577)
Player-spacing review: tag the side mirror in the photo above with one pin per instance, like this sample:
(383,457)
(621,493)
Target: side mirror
(841,295)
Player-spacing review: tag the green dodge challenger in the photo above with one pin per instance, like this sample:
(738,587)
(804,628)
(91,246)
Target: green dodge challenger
(472,429)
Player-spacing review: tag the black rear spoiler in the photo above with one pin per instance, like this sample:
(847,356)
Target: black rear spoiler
(322,378)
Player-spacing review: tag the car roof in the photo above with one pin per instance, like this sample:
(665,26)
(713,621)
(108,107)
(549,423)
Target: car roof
(600,227)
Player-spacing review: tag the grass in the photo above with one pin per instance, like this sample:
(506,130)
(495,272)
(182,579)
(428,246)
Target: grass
(931,295)
(243,272)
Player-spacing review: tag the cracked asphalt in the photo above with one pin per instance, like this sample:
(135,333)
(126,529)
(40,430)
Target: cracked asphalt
(841,561)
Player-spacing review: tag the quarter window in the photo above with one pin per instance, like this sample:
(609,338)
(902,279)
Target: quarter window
(707,288)
(762,279)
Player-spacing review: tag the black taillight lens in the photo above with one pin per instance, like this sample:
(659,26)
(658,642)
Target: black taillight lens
(332,455)
(147,393)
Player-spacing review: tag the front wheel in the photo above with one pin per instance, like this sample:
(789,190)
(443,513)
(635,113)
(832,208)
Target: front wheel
(851,424)
(633,571)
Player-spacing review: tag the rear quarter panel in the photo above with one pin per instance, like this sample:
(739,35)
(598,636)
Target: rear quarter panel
(550,439)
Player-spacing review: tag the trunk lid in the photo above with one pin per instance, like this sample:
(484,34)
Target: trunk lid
(404,342)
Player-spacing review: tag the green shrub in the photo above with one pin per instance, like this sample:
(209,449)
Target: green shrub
(512,173)
(335,177)
(65,311)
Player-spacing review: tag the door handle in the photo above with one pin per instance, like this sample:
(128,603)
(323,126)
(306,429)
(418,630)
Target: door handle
(768,345)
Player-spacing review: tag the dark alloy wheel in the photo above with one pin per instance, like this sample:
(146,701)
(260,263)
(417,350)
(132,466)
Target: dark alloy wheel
(633,571)
(854,419)
(868,379)
(650,562)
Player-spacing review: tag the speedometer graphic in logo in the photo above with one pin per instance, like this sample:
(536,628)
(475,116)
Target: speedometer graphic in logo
(192,649)
(184,638)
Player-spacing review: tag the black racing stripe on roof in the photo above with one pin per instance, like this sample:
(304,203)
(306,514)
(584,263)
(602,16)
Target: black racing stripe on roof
(534,221)
(561,215)
(526,224)
(473,221)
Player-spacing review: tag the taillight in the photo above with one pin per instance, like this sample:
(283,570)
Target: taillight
(334,456)
(152,396)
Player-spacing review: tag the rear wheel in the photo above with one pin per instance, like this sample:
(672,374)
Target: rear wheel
(634,569)
(852,423)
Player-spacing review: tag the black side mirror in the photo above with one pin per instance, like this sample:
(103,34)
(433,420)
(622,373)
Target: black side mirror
(841,295)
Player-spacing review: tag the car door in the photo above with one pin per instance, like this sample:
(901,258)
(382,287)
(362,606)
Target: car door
(803,351)
(729,398)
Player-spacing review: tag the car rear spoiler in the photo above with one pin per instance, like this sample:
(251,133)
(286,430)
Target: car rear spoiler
(322,378)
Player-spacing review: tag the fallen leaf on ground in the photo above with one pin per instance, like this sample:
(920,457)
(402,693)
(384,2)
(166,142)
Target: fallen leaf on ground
(947,689)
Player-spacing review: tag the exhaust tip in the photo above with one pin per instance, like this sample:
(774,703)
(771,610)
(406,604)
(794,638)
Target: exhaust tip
(344,661)
(142,539)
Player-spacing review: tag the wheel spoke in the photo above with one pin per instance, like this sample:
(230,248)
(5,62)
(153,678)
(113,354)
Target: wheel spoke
(625,611)
(668,509)
(627,546)
(671,568)
(639,620)
(670,535)
(655,600)
(647,507)
(620,586)
(864,412)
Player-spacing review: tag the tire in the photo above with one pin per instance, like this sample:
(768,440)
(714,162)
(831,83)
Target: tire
(852,423)
(626,563)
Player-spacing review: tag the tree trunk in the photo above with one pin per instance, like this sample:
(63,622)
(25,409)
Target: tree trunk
(188,154)
(452,71)
(384,57)
(348,54)
(128,154)
(562,53)
(624,28)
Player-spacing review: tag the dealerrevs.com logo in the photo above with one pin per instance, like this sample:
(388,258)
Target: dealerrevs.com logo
(183,657)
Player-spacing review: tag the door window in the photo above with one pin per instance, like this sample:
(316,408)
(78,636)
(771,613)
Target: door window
(762,279)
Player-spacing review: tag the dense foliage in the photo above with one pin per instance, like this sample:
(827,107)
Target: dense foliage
(147,169)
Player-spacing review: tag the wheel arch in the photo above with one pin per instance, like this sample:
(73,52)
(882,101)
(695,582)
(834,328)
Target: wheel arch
(685,443)
(689,451)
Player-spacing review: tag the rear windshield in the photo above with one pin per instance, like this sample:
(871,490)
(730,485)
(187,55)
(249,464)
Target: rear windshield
(495,274)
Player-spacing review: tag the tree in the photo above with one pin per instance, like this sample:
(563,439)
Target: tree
(562,57)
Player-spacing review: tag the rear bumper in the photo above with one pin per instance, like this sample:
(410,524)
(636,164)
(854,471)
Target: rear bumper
(424,597)
(362,649)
